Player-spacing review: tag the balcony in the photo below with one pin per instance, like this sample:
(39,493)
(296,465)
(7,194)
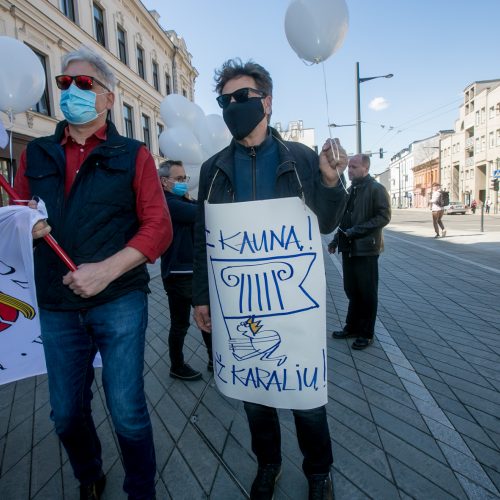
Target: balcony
(469,162)
(469,143)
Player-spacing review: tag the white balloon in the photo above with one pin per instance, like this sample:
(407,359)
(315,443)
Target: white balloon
(176,110)
(315,29)
(179,143)
(22,78)
(220,137)
(193,171)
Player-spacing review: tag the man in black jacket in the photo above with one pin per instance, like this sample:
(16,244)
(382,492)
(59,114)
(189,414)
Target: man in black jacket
(359,239)
(259,165)
(177,268)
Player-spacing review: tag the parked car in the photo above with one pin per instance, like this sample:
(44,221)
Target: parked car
(455,207)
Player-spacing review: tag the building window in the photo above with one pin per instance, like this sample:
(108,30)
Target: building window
(159,127)
(68,9)
(184,93)
(168,88)
(122,44)
(483,143)
(477,117)
(140,62)
(146,131)
(99,25)
(492,111)
(498,137)
(43,105)
(492,140)
(128,121)
(156,78)
(483,115)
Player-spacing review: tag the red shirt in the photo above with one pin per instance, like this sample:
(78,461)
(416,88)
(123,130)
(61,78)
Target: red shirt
(155,230)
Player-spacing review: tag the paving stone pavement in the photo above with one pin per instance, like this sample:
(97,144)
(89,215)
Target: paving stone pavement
(414,416)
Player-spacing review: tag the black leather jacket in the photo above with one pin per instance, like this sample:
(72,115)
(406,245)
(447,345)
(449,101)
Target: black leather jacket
(297,174)
(367,211)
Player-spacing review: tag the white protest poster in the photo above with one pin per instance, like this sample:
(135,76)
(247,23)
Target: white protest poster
(21,351)
(267,302)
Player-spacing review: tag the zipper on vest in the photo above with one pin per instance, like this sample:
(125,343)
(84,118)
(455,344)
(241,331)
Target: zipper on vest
(253,155)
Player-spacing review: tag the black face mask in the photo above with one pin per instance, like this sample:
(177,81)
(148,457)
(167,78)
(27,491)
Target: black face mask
(242,117)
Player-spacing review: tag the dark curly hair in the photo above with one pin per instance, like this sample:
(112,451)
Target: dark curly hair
(233,68)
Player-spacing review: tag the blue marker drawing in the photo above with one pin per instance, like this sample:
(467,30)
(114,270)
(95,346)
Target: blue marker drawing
(249,290)
(254,342)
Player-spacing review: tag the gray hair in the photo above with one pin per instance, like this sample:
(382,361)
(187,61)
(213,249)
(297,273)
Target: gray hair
(166,166)
(86,54)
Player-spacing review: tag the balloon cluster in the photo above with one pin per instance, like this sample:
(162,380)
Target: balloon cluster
(22,79)
(315,29)
(191,136)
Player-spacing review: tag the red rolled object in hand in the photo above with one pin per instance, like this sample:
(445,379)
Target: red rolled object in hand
(49,238)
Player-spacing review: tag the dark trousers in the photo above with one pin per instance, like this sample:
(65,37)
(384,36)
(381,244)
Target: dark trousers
(437,220)
(361,288)
(70,341)
(312,433)
(179,291)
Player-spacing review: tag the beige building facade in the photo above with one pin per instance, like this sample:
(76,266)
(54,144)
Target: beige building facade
(149,63)
(471,155)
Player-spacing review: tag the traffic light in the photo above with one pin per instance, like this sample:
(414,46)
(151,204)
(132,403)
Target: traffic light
(494,184)
(381,152)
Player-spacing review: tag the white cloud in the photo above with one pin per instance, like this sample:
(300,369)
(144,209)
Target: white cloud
(378,104)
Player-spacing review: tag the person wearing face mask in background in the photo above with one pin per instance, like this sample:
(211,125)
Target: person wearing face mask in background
(259,165)
(107,210)
(177,268)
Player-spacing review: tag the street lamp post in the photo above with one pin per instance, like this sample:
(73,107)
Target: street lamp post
(358,110)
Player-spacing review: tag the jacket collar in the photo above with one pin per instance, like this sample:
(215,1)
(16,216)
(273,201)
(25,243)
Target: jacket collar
(225,160)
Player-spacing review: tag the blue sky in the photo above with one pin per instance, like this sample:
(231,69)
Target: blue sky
(434,48)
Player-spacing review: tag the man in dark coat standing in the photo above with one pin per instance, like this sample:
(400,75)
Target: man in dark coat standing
(359,238)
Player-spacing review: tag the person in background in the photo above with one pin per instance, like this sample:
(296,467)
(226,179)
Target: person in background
(488,205)
(437,209)
(260,165)
(360,240)
(177,268)
(107,210)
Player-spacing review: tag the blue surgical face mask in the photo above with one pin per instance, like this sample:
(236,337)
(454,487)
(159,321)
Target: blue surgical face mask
(180,188)
(78,106)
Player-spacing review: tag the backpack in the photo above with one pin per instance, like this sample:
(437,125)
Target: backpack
(444,199)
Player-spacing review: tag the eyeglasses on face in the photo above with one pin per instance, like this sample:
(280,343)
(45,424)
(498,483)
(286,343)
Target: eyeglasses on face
(180,178)
(240,95)
(83,82)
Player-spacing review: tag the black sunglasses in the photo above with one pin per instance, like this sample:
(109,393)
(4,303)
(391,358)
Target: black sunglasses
(240,95)
(83,82)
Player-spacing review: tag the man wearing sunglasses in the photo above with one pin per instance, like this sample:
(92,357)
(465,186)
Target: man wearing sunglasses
(107,210)
(259,165)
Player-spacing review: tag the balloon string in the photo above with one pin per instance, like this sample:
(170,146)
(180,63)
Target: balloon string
(335,154)
(11,155)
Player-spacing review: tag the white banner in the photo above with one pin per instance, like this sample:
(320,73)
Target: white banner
(21,351)
(267,297)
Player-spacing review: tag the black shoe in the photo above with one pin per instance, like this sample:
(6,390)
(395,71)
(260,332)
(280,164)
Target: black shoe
(320,487)
(362,343)
(185,372)
(210,365)
(343,334)
(93,491)
(264,482)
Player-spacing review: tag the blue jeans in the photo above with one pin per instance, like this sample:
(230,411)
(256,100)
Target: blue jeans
(313,436)
(70,340)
